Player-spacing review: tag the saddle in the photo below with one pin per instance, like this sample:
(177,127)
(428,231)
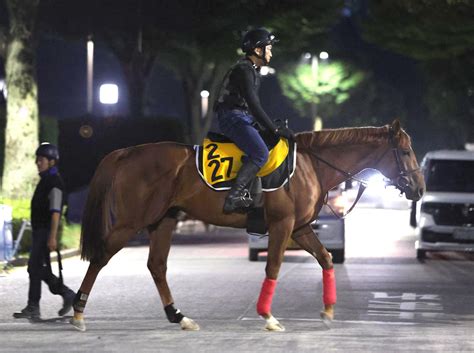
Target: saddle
(218,160)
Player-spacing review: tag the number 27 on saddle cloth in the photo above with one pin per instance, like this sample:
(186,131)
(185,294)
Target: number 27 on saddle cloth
(218,164)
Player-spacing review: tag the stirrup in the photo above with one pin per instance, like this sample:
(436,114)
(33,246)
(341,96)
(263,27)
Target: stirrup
(238,203)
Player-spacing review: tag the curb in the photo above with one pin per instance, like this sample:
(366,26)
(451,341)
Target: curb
(23,261)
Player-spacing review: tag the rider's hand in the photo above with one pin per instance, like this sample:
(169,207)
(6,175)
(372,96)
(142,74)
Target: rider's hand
(285,132)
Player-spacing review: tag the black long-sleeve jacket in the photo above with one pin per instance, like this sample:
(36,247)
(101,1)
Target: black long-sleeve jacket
(239,90)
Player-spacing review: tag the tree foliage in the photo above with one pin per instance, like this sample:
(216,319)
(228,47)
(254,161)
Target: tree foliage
(327,86)
(439,34)
(422,29)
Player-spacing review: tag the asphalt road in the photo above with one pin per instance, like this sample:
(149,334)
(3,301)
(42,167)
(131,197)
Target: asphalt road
(387,301)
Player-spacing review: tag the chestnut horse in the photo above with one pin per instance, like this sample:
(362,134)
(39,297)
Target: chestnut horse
(137,188)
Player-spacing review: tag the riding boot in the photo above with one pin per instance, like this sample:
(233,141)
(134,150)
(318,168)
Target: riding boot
(239,197)
(68,299)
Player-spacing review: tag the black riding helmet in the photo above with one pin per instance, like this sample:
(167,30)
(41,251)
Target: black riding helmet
(48,150)
(257,38)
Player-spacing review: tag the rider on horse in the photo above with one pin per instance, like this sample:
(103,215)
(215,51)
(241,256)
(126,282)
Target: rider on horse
(240,114)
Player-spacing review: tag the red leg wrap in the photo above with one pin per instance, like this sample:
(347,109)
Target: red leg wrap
(264,304)
(329,287)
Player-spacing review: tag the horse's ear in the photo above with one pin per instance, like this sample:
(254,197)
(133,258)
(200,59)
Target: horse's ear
(395,128)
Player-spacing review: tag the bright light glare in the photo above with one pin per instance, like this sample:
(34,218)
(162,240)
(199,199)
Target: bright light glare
(376,181)
(339,204)
(267,70)
(307,56)
(24,112)
(204,94)
(108,93)
(3,88)
(324,55)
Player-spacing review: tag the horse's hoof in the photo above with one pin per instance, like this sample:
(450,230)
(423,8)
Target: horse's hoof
(327,318)
(189,324)
(79,325)
(273,325)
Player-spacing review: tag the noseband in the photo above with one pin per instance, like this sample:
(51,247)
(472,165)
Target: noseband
(401,181)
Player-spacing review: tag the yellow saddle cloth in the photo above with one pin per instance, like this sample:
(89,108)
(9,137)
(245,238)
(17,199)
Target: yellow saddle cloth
(218,163)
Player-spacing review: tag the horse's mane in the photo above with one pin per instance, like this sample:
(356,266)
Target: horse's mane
(343,136)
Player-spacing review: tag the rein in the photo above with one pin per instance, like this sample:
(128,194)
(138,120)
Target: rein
(350,176)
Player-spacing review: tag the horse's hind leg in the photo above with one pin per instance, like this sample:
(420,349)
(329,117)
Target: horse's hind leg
(160,242)
(307,240)
(115,241)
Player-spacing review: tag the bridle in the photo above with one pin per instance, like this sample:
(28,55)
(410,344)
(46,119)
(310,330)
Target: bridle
(401,181)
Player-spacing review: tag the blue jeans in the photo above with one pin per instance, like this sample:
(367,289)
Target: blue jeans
(237,125)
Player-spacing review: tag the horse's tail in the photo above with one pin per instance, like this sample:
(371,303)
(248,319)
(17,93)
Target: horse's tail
(97,218)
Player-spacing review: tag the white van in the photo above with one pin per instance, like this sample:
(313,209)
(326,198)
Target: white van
(444,217)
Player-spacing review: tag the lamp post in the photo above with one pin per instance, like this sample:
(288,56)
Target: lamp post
(318,123)
(204,103)
(90,73)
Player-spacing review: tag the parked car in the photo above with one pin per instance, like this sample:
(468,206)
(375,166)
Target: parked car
(444,217)
(329,227)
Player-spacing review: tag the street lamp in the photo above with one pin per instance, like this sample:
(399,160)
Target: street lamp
(108,95)
(204,103)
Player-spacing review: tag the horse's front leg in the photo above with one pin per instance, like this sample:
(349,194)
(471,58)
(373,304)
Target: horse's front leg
(279,233)
(307,240)
(160,243)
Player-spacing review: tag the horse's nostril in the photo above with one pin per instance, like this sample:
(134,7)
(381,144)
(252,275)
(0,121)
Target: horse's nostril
(421,191)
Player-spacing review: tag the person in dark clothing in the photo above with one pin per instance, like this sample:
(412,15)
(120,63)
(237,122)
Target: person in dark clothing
(240,114)
(46,208)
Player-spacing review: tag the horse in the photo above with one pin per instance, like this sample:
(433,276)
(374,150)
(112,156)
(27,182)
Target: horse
(141,187)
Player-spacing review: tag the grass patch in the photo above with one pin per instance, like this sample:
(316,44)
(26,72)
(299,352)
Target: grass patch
(70,237)
(69,234)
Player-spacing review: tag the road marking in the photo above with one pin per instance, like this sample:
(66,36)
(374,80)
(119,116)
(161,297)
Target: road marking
(406,296)
(405,306)
(364,322)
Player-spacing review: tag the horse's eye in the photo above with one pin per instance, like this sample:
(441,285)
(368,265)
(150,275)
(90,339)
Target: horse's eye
(406,152)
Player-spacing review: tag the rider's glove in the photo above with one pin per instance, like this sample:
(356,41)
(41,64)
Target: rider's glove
(285,132)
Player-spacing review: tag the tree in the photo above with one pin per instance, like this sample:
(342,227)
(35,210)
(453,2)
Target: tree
(325,86)
(196,39)
(21,138)
(439,34)
(424,30)
(211,39)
